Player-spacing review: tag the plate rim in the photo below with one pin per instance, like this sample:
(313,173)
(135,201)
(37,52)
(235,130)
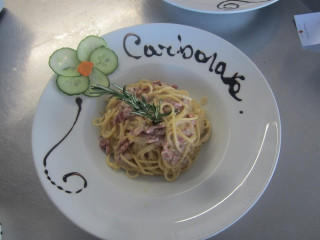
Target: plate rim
(217,11)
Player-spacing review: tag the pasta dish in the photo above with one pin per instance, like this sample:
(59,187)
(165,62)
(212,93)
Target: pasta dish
(138,146)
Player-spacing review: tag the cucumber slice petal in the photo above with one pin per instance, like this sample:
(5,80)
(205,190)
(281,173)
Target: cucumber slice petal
(64,62)
(72,85)
(96,77)
(87,45)
(104,59)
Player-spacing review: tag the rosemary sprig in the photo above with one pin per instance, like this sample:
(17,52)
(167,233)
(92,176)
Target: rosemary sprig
(139,106)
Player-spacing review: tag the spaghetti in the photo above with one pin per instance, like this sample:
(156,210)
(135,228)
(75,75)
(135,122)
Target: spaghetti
(134,144)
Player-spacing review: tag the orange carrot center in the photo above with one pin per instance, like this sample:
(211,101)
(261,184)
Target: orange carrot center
(85,68)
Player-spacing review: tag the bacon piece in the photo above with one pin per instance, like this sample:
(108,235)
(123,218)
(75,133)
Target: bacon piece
(154,134)
(159,129)
(152,138)
(145,89)
(123,145)
(170,155)
(121,161)
(124,113)
(105,145)
(178,106)
(157,83)
(189,131)
(160,141)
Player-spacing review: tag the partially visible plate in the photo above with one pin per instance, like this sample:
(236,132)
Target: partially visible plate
(230,174)
(1,5)
(221,6)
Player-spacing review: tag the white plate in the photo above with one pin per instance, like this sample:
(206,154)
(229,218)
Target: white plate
(221,6)
(230,174)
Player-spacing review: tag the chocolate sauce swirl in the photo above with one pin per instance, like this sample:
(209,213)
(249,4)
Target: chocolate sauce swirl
(71,174)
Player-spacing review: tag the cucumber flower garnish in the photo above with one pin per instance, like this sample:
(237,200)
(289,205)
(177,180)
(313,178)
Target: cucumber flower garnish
(80,70)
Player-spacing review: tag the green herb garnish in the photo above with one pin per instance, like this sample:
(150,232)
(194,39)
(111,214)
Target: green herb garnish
(140,106)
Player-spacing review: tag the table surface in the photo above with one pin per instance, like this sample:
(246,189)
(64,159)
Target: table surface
(31,30)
